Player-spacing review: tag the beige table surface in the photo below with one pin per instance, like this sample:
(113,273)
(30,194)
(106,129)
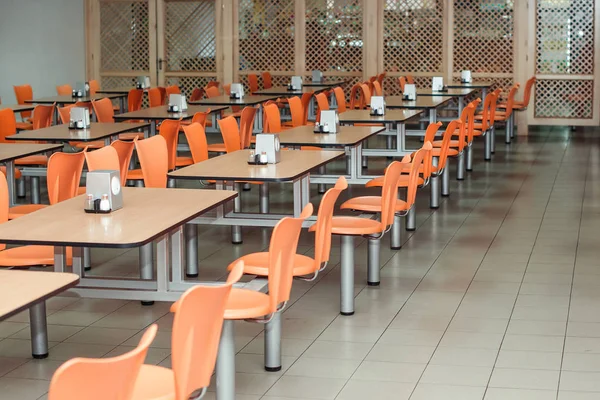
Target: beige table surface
(421,102)
(21,289)
(225,100)
(347,136)
(391,116)
(473,85)
(12,151)
(450,92)
(147,214)
(71,99)
(18,107)
(283,90)
(234,166)
(161,113)
(62,133)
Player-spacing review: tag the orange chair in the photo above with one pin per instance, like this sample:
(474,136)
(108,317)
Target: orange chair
(322,104)
(464,133)
(153,155)
(306,98)
(410,79)
(506,109)
(380,78)
(201,118)
(124,152)
(94,86)
(105,158)
(173,89)
(373,230)
(212,84)
(212,91)
(267,80)
(272,118)
(64,90)
(197,94)
(402,82)
(365,95)
(296,111)
(197,329)
(154,97)
(340,99)
(103,109)
(377,89)
(196,138)
(22,94)
(42,117)
(24,256)
(135,99)
(519,105)
(65,115)
(253,83)
(247,126)
(101,378)
(355,98)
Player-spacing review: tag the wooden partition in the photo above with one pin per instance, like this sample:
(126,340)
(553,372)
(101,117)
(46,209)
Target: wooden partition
(189,42)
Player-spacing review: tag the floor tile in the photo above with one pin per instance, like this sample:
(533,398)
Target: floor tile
(359,390)
(388,371)
(456,375)
(529,360)
(426,391)
(301,387)
(519,394)
(524,379)
(323,368)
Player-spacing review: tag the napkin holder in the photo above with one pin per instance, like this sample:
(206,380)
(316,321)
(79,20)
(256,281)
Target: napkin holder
(104,182)
(177,103)
(329,122)
(79,118)
(377,106)
(295,83)
(465,77)
(437,84)
(410,92)
(237,91)
(269,143)
(142,82)
(317,76)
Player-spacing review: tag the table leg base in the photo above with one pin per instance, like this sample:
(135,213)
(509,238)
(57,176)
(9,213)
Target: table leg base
(147,303)
(373,283)
(40,356)
(272,369)
(191,275)
(346,314)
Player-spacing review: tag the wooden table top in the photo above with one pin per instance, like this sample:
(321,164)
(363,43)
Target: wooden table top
(72,100)
(147,214)
(454,92)
(326,82)
(234,166)
(427,102)
(284,92)
(347,136)
(118,90)
(22,289)
(364,116)
(18,107)
(471,85)
(12,151)
(161,113)
(225,100)
(62,133)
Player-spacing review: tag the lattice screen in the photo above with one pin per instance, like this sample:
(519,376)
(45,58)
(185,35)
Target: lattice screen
(569,99)
(124,36)
(334,35)
(188,83)
(266,35)
(483,36)
(412,38)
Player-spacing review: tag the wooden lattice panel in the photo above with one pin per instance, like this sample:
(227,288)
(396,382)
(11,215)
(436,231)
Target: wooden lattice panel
(266,35)
(565,37)
(124,36)
(412,35)
(190,41)
(483,36)
(189,83)
(563,98)
(334,35)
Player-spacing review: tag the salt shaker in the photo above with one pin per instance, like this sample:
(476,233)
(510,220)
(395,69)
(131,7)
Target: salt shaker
(104,203)
(263,158)
(326,128)
(251,156)
(89,202)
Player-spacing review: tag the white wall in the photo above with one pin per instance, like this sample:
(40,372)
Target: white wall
(42,43)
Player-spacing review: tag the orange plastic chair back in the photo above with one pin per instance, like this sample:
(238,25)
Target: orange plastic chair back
(267,80)
(485,111)
(42,116)
(273,117)
(322,104)
(154,97)
(65,113)
(431,131)
(231,134)
(247,126)
(355,97)
(134,100)
(226,89)
(253,83)
(421,157)
(377,90)
(389,193)
(212,91)
(104,111)
(380,78)
(493,106)
(296,111)
(511,100)
(23,93)
(163,95)
(446,138)
(410,79)
(101,378)
(324,222)
(124,152)
(212,84)
(402,83)
(201,118)
(103,158)
(196,138)
(3,202)
(195,337)
(154,160)
(282,249)
(305,105)
(173,89)
(169,129)
(8,124)
(64,90)
(526,95)
(197,94)
(340,99)
(94,86)
(365,95)
(63,175)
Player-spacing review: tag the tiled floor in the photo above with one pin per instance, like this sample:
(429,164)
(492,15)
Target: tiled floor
(494,297)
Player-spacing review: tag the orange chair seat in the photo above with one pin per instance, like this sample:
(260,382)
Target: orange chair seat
(132,136)
(453,143)
(135,174)
(258,264)
(354,226)
(371,204)
(246,304)
(311,148)
(154,382)
(183,161)
(32,160)
(26,256)
(17,172)
(235,114)
(402,182)
(81,190)
(97,144)
(24,126)
(217,148)
(24,209)
(516,106)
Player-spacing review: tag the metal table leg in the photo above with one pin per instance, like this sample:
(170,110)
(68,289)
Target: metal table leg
(236,231)
(122,105)
(226,363)
(273,344)
(153,127)
(147,265)
(347,276)
(263,191)
(21,187)
(10,179)
(191,245)
(60,258)
(461,105)
(39,330)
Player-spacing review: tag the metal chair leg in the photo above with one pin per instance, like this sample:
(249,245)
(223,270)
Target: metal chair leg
(373,263)
(273,344)
(460,166)
(35,189)
(469,149)
(396,233)
(21,192)
(446,182)
(226,363)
